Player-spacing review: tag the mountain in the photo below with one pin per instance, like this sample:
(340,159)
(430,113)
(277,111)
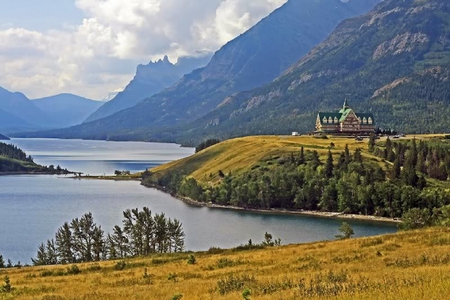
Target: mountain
(4,138)
(252,59)
(393,62)
(17,112)
(67,109)
(149,80)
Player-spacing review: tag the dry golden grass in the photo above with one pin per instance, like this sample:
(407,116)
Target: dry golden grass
(407,265)
(241,154)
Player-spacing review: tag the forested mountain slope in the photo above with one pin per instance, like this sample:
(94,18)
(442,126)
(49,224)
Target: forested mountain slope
(252,59)
(393,62)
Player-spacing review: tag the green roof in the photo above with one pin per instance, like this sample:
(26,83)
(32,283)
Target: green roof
(342,115)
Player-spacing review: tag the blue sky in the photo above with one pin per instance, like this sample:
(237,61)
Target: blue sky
(39,14)
(92,47)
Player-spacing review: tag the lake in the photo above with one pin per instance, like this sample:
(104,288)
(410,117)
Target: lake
(32,208)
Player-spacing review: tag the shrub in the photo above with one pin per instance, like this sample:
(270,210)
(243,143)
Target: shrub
(73,270)
(121,265)
(191,259)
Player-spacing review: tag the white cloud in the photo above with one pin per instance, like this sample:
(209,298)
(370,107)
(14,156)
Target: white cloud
(100,54)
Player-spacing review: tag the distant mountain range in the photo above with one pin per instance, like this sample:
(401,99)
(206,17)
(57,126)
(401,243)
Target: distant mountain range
(67,109)
(18,113)
(254,58)
(149,80)
(3,138)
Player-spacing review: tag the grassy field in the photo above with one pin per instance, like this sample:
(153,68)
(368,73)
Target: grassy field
(241,154)
(407,265)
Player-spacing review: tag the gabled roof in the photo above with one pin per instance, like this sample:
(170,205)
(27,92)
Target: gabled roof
(332,115)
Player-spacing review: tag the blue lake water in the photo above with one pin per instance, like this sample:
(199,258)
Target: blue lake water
(33,207)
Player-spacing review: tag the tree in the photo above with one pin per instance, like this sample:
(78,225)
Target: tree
(329,165)
(63,241)
(372,142)
(416,218)
(346,230)
(2,262)
(41,257)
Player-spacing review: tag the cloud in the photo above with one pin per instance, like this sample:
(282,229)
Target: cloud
(101,53)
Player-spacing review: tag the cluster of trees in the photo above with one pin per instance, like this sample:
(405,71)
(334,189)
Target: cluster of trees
(430,159)
(345,182)
(8,264)
(14,152)
(82,240)
(26,164)
(206,144)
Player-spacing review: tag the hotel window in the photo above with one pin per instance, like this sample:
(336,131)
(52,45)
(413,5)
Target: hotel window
(324,120)
(370,121)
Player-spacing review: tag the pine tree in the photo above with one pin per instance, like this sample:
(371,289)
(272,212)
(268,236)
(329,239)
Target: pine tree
(2,262)
(372,142)
(329,165)
(41,257)
(395,171)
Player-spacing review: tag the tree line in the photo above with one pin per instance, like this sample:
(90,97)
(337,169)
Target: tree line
(82,240)
(344,182)
(14,152)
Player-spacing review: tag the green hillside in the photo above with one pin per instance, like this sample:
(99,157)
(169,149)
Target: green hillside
(393,62)
(384,178)
(15,160)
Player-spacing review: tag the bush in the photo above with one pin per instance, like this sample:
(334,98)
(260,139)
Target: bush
(191,259)
(73,270)
(121,265)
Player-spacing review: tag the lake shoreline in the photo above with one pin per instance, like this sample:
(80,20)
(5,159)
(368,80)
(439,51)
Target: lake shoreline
(300,212)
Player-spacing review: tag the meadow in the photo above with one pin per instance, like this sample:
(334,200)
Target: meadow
(406,265)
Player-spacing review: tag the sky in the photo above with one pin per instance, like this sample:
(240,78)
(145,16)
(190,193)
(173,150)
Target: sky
(92,47)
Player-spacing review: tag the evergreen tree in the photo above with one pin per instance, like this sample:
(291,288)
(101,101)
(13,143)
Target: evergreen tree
(329,165)
(2,262)
(41,257)
(395,170)
(372,142)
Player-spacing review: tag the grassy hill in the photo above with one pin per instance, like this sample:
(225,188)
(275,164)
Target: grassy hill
(242,154)
(407,265)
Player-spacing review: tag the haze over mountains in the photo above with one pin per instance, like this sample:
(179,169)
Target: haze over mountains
(18,113)
(67,109)
(252,59)
(150,79)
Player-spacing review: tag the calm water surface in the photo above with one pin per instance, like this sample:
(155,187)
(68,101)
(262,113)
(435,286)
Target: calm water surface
(33,207)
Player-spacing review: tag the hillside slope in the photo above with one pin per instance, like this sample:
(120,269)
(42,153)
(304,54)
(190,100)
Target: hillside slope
(242,154)
(393,62)
(149,80)
(67,109)
(250,60)
(407,265)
